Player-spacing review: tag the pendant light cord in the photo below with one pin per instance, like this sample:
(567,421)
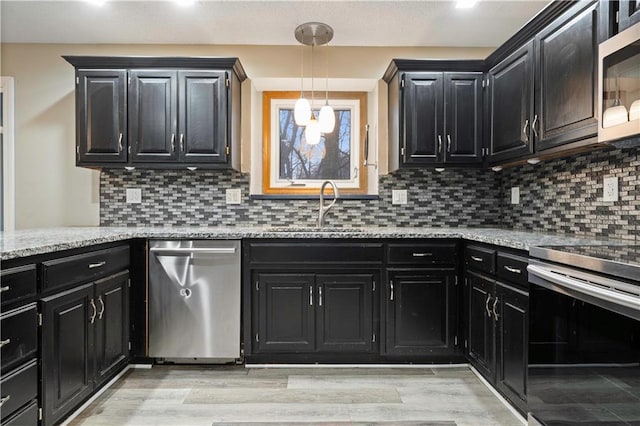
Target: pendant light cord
(302,67)
(312,97)
(326,67)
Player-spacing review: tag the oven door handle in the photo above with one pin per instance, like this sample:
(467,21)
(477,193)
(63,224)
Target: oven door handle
(584,287)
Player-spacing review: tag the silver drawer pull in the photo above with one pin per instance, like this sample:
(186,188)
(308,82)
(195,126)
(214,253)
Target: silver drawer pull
(97,265)
(477,259)
(5,342)
(4,399)
(512,269)
(422,254)
(5,288)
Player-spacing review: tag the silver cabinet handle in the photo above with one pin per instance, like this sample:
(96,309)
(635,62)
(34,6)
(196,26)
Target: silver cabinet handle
(448,143)
(319,296)
(391,287)
(310,296)
(495,314)
(512,269)
(173,142)
(101,308)
(5,288)
(525,132)
(95,312)
(4,399)
(533,125)
(477,259)
(187,250)
(439,143)
(97,265)
(486,305)
(4,342)
(181,141)
(120,148)
(422,254)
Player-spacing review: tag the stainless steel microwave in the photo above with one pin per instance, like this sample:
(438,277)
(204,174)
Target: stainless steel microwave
(619,89)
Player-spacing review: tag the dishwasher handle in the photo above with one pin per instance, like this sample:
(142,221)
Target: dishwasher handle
(195,250)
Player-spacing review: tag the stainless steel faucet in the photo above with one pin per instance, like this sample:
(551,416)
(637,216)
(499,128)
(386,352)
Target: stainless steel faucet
(324,209)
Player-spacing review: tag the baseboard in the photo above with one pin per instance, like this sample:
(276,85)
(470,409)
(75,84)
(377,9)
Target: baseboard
(498,395)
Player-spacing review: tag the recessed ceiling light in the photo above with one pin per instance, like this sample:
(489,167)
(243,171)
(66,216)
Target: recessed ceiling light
(96,2)
(185,2)
(465,4)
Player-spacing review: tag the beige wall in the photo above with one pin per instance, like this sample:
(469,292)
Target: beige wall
(51,191)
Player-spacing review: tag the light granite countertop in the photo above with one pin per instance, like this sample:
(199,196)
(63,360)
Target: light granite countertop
(31,242)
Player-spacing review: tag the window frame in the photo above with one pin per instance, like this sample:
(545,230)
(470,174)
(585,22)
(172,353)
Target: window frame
(271,118)
(8,154)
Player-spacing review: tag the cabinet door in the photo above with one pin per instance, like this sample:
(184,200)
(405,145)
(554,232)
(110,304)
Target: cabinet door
(421,314)
(423,117)
(481,345)
(566,65)
(344,320)
(203,116)
(112,325)
(463,117)
(629,14)
(101,109)
(67,350)
(510,308)
(153,115)
(511,105)
(285,313)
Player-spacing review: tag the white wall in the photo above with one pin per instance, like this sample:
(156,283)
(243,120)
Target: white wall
(51,191)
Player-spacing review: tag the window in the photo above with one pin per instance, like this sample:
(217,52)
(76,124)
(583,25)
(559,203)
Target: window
(7,198)
(293,167)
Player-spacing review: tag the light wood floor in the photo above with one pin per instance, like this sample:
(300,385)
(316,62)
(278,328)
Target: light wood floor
(181,396)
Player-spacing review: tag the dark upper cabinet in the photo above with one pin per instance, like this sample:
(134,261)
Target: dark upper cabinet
(153,115)
(344,319)
(481,329)
(628,13)
(286,312)
(158,112)
(421,312)
(67,351)
(202,116)
(101,102)
(463,118)
(511,85)
(566,64)
(511,312)
(423,118)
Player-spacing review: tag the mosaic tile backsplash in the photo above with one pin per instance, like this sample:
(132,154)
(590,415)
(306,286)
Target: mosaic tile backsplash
(561,196)
(183,198)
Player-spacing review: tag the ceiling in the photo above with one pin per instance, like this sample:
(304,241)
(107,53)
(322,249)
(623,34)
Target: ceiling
(356,23)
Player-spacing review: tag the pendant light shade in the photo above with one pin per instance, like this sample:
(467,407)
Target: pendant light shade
(302,111)
(312,132)
(327,119)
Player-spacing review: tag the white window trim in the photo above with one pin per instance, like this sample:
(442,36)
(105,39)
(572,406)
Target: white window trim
(351,104)
(8,155)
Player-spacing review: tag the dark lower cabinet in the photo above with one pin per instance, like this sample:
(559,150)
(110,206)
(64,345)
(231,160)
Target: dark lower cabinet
(421,313)
(345,313)
(311,313)
(84,342)
(481,329)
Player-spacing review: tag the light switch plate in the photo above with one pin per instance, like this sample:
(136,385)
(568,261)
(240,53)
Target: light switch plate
(515,195)
(610,192)
(234,196)
(399,196)
(134,195)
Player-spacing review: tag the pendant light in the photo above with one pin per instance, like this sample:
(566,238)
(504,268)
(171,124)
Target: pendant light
(327,117)
(313,34)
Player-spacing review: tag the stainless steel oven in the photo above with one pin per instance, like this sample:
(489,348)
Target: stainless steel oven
(584,336)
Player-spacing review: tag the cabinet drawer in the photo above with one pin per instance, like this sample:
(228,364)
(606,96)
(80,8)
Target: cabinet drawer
(480,259)
(512,268)
(19,331)
(316,253)
(26,416)
(17,284)
(422,254)
(19,387)
(83,267)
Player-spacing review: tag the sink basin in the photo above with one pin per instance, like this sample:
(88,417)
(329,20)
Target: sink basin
(312,229)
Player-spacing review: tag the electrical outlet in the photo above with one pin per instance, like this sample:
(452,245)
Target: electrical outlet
(399,196)
(610,192)
(515,195)
(134,195)
(234,196)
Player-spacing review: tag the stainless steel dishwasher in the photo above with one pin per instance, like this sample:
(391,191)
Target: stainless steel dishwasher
(194,300)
